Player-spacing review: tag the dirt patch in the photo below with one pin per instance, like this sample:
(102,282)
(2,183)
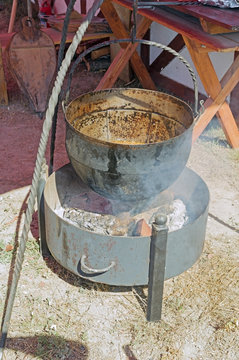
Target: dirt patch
(57,315)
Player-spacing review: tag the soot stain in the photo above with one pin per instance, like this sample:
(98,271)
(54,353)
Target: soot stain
(112,166)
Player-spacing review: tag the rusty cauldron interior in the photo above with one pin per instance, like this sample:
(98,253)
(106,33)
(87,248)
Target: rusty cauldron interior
(128,144)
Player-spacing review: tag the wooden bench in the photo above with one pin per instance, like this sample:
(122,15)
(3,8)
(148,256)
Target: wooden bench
(199,44)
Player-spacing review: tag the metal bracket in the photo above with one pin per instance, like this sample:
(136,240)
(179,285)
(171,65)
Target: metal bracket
(158,250)
(88,270)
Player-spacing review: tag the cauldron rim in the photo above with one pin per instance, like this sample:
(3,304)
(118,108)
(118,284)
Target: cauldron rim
(127,145)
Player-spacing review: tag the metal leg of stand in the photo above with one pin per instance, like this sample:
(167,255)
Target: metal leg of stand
(41,213)
(158,248)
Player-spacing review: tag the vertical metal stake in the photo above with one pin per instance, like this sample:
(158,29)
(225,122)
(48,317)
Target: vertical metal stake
(158,248)
(41,213)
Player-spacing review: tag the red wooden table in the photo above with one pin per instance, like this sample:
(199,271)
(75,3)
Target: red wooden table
(199,44)
(213,19)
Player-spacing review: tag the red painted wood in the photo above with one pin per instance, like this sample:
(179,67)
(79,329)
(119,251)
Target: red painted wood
(145,50)
(199,44)
(188,26)
(234,103)
(165,57)
(227,18)
(83,6)
(174,88)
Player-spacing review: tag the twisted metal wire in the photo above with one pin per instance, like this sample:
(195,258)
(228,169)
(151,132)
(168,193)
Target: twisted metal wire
(140,41)
(37,171)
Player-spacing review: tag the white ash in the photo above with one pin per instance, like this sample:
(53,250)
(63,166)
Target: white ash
(178,217)
(123,225)
(102,224)
(176,213)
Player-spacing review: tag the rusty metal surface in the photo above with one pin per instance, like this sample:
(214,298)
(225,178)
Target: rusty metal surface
(32,60)
(158,252)
(126,257)
(128,143)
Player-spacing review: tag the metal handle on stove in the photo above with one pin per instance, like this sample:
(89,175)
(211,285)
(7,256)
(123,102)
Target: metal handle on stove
(87,269)
(139,41)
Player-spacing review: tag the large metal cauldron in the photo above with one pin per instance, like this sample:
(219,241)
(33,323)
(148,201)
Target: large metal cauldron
(128,144)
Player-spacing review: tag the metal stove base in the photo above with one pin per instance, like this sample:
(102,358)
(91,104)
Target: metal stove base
(117,260)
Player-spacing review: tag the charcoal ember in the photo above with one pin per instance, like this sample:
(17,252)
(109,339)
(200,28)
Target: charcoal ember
(142,228)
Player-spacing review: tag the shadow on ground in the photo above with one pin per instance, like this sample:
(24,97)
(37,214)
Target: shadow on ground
(47,347)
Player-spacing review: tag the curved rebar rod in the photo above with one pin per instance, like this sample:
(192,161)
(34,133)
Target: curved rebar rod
(59,62)
(37,171)
(140,41)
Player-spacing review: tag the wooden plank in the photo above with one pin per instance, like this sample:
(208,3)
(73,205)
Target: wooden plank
(213,29)
(97,24)
(121,33)
(12,16)
(113,72)
(234,103)
(3,85)
(173,87)
(100,52)
(123,56)
(187,26)
(114,21)
(180,25)
(166,57)
(229,80)
(211,108)
(83,6)
(227,18)
(145,50)
(229,125)
(204,67)
(56,36)
(214,89)
(126,73)
(125,17)
(142,73)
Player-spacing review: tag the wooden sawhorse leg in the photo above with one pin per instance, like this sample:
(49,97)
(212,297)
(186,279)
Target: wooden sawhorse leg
(234,103)
(164,59)
(128,51)
(217,91)
(3,85)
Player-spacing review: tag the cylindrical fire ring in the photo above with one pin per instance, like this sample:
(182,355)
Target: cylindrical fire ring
(121,260)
